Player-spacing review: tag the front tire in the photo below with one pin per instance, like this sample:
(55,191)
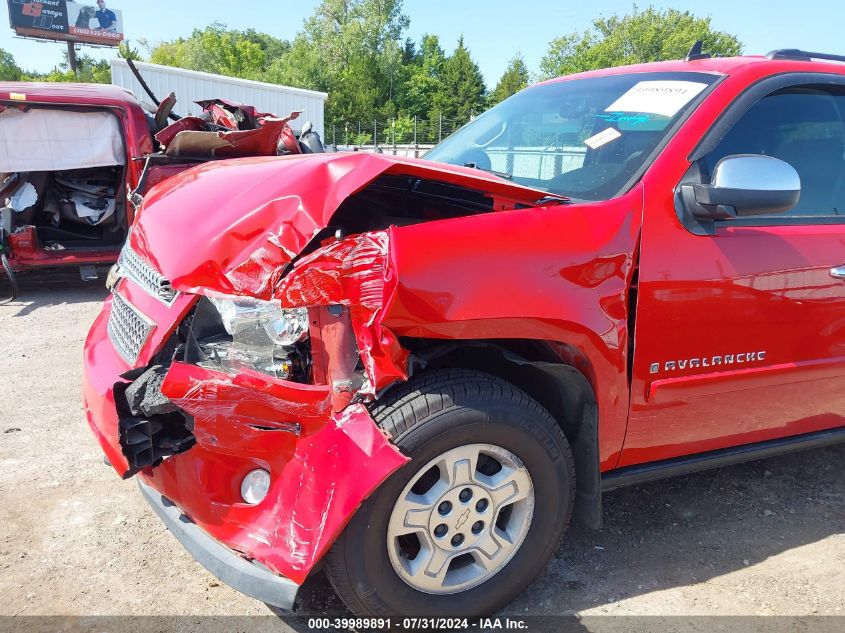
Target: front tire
(470,521)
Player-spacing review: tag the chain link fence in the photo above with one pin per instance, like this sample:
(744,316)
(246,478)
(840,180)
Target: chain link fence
(413,137)
(401,131)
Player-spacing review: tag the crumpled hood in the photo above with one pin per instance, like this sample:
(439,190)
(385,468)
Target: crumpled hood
(232,226)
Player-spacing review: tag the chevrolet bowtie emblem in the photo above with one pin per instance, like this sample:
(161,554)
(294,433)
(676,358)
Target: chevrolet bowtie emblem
(462,519)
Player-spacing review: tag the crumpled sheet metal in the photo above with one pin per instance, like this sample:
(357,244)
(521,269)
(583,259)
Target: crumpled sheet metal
(261,141)
(245,132)
(235,409)
(186,124)
(232,227)
(244,422)
(237,116)
(356,272)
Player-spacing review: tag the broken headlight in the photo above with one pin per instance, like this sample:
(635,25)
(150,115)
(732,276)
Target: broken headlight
(264,337)
(257,321)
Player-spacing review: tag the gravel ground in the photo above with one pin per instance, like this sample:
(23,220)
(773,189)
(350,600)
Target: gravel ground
(764,538)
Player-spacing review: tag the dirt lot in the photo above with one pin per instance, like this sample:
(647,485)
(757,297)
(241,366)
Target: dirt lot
(764,538)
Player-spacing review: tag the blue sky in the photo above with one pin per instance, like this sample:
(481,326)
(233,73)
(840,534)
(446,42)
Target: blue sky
(494,30)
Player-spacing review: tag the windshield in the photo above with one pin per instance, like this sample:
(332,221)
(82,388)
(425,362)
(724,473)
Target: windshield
(583,138)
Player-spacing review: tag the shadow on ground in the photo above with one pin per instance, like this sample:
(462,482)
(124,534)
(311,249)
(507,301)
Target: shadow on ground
(57,286)
(674,533)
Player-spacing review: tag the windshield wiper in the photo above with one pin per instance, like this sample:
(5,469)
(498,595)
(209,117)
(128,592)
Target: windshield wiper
(500,174)
(552,199)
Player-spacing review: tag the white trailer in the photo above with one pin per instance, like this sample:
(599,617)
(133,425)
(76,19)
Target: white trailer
(191,85)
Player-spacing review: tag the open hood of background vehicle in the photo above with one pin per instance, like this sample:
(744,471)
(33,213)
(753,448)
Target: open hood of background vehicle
(232,226)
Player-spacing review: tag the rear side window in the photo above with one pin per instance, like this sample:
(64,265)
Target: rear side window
(804,127)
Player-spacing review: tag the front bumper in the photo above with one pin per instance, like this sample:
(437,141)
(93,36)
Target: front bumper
(323,461)
(250,578)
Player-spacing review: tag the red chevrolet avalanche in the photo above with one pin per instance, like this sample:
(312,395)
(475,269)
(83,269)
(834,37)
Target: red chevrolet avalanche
(412,373)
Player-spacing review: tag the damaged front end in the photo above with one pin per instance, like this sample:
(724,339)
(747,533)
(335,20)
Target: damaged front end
(233,364)
(211,407)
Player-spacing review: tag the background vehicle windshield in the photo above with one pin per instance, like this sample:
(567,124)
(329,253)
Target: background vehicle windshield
(584,138)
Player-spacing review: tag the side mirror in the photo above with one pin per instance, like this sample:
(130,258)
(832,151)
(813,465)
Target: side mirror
(743,185)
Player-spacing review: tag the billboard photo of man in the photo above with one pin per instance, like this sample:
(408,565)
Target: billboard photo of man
(106,18)
(95,24)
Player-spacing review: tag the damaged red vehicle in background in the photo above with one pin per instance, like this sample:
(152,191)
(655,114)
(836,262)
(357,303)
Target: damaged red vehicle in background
(75,159)
(415,371)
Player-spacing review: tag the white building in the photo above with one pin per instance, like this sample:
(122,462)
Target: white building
(191,85)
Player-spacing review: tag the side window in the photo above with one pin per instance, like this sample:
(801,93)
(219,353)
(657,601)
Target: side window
(804,127)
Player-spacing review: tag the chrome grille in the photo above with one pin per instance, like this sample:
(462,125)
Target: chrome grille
(131,265)
(128,329)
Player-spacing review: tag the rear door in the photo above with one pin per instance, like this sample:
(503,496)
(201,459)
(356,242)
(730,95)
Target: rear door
(740,333)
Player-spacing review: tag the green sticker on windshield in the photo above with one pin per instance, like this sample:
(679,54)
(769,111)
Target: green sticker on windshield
(627,121)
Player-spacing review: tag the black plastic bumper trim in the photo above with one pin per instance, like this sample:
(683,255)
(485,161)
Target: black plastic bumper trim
(249,578)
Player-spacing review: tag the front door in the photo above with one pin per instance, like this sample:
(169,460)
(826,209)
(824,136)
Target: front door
(740,334)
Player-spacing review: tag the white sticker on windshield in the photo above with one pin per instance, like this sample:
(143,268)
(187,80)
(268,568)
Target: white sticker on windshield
(602,138)
(657,97)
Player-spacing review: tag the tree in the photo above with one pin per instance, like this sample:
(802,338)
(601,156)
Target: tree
(514,79)
(401,129)
(9,70)
(461,91)
(423,78)
(272,47)
(641,36)
(352,49)
(125,51)
(223,51)
(88,70)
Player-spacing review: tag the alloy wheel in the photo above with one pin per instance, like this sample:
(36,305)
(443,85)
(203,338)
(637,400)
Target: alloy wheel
(460,519)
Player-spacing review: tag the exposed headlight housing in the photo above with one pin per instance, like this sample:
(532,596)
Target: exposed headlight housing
(247,317)
(265,337)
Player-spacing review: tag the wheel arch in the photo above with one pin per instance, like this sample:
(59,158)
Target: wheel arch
(557,376)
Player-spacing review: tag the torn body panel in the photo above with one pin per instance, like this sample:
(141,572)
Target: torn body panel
(357,273)
(233,228)
(557,274)
(261,141)
(251,421)
(228,130)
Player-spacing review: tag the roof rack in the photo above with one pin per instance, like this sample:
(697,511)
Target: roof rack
(804,56)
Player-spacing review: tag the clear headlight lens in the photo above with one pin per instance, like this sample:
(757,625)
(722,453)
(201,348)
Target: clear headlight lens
(263,336)
(249,317)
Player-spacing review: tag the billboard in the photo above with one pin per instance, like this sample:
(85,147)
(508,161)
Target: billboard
(94,23)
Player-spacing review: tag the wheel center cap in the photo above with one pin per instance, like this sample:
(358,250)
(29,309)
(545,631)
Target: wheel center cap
(460,517)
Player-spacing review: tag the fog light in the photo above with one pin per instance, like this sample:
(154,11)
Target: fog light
(255,486)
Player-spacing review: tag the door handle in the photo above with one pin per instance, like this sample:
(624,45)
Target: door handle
(838,272)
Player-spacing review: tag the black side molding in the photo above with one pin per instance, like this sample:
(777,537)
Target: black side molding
(642,473)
